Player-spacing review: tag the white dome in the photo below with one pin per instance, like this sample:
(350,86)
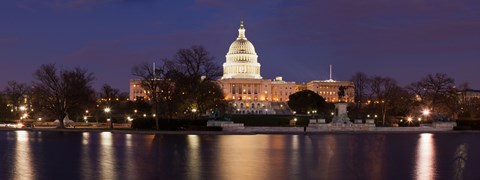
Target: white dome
(241,46)
(241,59)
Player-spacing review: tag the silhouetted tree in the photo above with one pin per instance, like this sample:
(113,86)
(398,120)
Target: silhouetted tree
(5,112)
(62,92)
(183,83)
(435,91)
(192,71)
(195,63)
(152,78)
(361,82)
(381,93)
(14,95)
(306,100)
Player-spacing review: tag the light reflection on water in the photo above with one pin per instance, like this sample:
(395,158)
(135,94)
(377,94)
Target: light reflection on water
(129,158)
(194,164)
(29,155)
(243,157)
(23,157)
(107,160)
(425,167)
(460,161)
(86,164)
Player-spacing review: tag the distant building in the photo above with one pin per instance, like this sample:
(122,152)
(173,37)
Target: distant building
(469,95)
(328,89)
(248,93)
(136,90)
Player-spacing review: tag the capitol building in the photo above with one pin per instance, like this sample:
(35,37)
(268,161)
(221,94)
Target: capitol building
(247,92)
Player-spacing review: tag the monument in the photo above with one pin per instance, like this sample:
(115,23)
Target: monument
(216,120)
(341,114)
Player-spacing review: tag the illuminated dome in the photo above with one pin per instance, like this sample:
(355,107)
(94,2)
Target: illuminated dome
(241,59)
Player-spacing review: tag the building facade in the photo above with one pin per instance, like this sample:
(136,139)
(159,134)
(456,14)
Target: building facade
(136,90)
(248,93)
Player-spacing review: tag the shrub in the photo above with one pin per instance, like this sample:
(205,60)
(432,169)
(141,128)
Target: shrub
(143,123)
(269,120)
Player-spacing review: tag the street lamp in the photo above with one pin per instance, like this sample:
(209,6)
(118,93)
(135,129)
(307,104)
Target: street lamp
(426,113)
(23,109)
(107,111)
(194,111)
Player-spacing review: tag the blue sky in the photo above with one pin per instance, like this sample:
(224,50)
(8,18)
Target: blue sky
(298,40)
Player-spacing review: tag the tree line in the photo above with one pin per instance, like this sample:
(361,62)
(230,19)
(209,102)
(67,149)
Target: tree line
(183,87)
(178,86)
(433,97)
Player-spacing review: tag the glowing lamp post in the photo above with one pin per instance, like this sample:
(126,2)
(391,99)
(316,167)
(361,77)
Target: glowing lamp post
(24,111)
(426,113)
(194,111)
(107,111)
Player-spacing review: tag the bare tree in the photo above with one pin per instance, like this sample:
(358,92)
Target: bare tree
(419,91)
(183,83)
(436,86)
(109,97)
(152,78)
(62,92)
(435,91)
(14,91)
(361,82)
(196,69)
(381,91)
(196,62)
(108,93)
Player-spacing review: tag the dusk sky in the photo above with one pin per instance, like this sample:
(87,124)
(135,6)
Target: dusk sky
(402,39)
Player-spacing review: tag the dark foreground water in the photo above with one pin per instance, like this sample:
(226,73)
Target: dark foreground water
(76,155)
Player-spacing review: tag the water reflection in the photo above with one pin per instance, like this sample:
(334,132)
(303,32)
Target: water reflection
(374,150)
(244,157)
(294,155)
(193,157)
(330,149)
(54,155)
(23,159)
(425,167)
(129,158)
(460,158)
(107,160)
(86,160)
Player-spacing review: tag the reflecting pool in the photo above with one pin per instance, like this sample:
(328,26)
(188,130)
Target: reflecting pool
(105,155)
